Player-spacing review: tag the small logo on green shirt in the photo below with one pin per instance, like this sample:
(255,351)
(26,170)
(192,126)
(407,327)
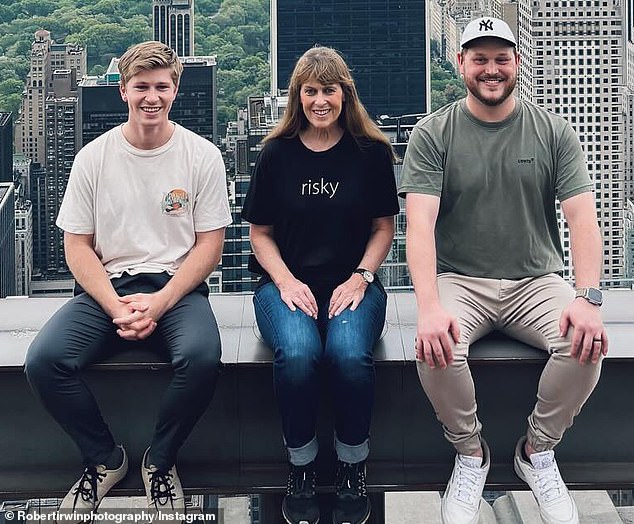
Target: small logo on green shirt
(525,160)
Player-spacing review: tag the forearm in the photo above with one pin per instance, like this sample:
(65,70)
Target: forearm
(199,263)
(379,244)
(585,242)
(585,239)
(268,255)
(421,260)
(91,275)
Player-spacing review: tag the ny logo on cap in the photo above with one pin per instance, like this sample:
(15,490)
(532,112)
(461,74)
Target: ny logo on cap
(486,25)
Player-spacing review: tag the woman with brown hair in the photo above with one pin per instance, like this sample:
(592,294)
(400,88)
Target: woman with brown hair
(321,206)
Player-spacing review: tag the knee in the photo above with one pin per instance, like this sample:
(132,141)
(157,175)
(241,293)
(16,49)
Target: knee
(297,362)
(350,361)
(198,360)
(41,361)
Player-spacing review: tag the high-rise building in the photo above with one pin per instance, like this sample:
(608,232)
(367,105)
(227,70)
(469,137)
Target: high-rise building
(22,176)
(243,140)
(195,106)
(23,247)
(7,240)
(173,22)
(46,58)
(62,142)
(37,190)
(6,147)
(385,43)
(573,64)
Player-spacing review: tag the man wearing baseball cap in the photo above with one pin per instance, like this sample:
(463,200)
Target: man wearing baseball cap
(480,178)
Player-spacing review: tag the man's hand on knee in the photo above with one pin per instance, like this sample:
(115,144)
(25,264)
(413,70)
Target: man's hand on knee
(589,338)
(436,334)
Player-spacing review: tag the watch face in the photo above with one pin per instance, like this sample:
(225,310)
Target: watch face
(595,296)
(368,276)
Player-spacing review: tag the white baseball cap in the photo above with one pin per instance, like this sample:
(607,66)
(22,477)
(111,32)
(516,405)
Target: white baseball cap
(487,26)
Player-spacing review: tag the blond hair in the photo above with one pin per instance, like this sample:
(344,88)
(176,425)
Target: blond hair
(148,56)
(326,66)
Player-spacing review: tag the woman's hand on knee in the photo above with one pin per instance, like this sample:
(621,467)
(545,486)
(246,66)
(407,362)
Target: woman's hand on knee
(295,294)
(350,293)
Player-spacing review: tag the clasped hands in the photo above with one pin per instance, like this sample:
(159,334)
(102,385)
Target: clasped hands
(136,315)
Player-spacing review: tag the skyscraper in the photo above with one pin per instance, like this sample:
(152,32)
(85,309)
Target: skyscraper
(385,43)
(46,58)
(253,125)
(573,64)
(23,247)
(7,240)
(62,132)
(173,22)
(6,147)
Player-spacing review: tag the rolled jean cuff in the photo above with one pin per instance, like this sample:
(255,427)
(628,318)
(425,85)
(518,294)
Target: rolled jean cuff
(352,454)
(304,454)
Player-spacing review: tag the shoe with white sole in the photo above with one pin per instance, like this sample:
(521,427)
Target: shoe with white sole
(461,501)
(542,475)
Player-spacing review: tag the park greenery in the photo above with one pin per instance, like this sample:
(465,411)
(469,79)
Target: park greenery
(236,31)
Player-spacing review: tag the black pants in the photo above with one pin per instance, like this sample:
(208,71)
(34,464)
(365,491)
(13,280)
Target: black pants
(81,333)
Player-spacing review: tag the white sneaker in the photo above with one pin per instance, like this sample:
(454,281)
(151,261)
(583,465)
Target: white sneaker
(461,501)
(164,492)
(542,475)
(86,494)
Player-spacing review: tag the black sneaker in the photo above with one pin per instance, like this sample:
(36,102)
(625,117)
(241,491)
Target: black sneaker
(352,505)
(300,504)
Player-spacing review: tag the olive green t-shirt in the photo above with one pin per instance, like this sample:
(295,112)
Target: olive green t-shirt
(497,184)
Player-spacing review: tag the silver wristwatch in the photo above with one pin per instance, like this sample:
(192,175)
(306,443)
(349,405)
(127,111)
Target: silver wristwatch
(591,294)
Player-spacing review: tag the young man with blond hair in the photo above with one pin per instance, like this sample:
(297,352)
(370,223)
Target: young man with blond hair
(481,177)
(143,217)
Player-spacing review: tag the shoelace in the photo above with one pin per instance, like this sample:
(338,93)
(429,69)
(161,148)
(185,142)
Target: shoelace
(301,482)
(549,483)
(162,488)
(467,483)
(87,487)
(352,481)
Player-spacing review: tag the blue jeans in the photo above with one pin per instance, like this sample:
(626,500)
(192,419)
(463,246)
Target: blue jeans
(344,346)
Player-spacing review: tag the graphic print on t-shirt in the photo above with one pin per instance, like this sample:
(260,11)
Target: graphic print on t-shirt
(319,187)
(175,202)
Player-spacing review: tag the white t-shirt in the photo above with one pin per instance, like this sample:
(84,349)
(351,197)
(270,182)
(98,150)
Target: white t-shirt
(144,207)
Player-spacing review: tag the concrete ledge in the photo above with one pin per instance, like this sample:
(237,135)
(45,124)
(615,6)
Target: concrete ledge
(237,446)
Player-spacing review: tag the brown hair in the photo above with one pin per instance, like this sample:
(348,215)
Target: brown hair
(148,56)
(326,66)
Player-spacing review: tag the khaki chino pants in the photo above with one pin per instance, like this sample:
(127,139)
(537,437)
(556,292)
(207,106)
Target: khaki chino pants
(528,310)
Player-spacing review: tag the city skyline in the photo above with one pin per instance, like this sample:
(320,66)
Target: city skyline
(578,68)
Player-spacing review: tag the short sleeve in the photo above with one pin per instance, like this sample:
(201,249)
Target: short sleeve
(572,172)
(76,214)
(423,163)
(260,205)
(211,207)
(385,201)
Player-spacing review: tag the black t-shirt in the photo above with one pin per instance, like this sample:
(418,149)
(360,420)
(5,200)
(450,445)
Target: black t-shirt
(321,205)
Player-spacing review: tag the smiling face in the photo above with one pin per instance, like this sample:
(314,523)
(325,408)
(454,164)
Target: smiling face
(149,95)
(489,68)
(322,104)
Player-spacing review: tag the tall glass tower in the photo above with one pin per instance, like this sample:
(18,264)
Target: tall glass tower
(173,22)
(385,43)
